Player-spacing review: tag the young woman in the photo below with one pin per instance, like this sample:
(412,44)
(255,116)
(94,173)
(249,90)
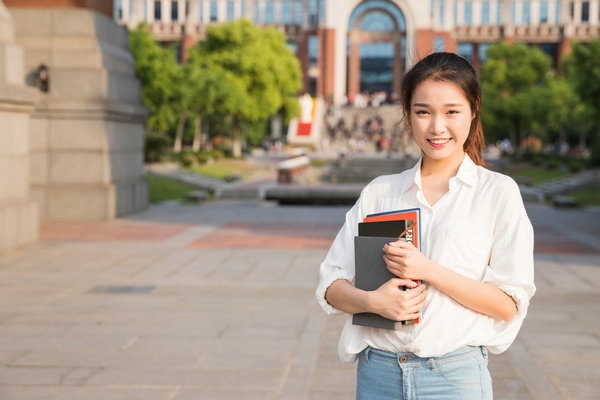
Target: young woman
(475,262)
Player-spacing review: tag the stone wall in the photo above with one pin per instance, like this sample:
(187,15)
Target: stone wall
(87,131)
(18,212)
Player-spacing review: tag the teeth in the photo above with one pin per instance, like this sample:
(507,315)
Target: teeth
(438,141)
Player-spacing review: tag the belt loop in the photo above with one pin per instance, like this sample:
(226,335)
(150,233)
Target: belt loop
(484,351)
(367,351)
(431,363)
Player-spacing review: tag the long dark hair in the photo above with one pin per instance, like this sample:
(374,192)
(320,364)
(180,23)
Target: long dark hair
(449,67)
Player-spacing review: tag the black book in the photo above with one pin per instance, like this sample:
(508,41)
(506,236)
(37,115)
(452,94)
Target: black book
(370,273)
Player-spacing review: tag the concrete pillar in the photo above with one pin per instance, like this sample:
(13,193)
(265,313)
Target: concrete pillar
(354,65)
(150,16)
(577,12)
(535,12)
(87,131)
(397,66)
(326,62)
(18,211)
(595,12)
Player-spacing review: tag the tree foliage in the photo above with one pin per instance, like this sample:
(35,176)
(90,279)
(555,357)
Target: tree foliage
(582,70)
(253,69)
(515,83)
(157,69)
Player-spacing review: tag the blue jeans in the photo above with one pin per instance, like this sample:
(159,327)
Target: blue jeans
(460,375)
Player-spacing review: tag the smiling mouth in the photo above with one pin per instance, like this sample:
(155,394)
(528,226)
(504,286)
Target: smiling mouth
(438,142)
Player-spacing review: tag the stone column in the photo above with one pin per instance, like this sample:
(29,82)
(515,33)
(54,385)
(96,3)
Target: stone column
(87,131)
(397,67)
(354,65)
(18,211)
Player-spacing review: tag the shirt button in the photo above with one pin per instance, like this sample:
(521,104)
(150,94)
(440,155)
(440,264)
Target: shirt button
(403,359)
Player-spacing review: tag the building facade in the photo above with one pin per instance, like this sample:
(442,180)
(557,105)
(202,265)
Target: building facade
(350,46)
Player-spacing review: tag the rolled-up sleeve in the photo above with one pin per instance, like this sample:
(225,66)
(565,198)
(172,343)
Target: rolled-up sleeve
(511,266)
(339,262)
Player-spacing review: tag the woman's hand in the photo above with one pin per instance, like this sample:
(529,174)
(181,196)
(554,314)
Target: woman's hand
(391,302)
(405,261)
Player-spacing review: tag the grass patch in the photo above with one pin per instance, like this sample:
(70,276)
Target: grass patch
(536,174)
(162,189)
(588,197)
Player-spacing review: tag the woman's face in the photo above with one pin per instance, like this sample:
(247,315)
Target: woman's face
(440,117)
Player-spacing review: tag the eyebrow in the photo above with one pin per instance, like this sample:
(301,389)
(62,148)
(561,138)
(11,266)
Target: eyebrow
(445,105)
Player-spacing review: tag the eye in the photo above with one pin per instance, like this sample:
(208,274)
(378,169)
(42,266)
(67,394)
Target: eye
(421,112)
(453,112)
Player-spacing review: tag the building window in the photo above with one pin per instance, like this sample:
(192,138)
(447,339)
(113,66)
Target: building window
(572,10)
(465,50)
(157,11)
(270,12)
(313,48)
(442,3)
(499,12)
(213,11)
(485,13)
(526,12)
(298,12)
(544,12)
(243,11)
(118,10)
(174,11)
(468,12)
(439,44)
(313,12)
(286,12)
(230,11)
(557,13)
(455,12)
(585,11)
(513,12)
(256,13)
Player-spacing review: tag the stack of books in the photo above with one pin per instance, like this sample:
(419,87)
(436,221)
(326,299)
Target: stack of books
(371,272)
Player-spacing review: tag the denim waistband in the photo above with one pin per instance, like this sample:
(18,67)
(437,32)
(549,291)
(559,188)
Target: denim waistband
(463,352)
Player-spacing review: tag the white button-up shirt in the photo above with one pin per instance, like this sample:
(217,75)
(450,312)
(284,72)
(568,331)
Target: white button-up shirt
(479,229)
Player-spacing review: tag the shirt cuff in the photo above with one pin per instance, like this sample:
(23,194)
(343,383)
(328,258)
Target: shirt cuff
(518,294)
(324,285)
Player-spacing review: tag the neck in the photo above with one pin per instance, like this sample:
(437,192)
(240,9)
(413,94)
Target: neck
(447,167)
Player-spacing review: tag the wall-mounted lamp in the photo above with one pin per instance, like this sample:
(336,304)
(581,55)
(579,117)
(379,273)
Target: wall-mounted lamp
(42,78)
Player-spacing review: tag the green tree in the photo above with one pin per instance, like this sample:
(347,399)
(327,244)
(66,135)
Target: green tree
(260,71)
(582,69)
(157,70)
(514,82)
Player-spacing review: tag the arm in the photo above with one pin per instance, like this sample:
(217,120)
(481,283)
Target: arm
(387,301)
(405,261)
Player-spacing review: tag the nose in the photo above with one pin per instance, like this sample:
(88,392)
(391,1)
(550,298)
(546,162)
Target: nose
(437,125)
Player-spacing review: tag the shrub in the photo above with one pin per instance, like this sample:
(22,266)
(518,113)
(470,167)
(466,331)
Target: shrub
(203,156)
(537,160)
(187,159)
(552,163)
(575,165)
(156,147)
(217,154)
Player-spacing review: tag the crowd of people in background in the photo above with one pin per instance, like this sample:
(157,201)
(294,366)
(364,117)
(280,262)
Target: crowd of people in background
(361,131)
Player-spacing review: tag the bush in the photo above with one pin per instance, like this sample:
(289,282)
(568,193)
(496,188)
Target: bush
(187,159)
(156,147)
(575,165)
(217,154)
(203,156)
(552,163)
(537,160)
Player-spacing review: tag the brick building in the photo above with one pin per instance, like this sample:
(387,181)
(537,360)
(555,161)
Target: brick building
(348,46)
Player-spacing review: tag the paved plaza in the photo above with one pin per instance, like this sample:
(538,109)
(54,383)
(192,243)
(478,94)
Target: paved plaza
(216,301)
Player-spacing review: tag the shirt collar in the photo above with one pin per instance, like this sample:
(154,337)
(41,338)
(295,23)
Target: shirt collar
(467,173)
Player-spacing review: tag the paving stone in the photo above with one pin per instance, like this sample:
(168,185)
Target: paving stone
(242,322)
